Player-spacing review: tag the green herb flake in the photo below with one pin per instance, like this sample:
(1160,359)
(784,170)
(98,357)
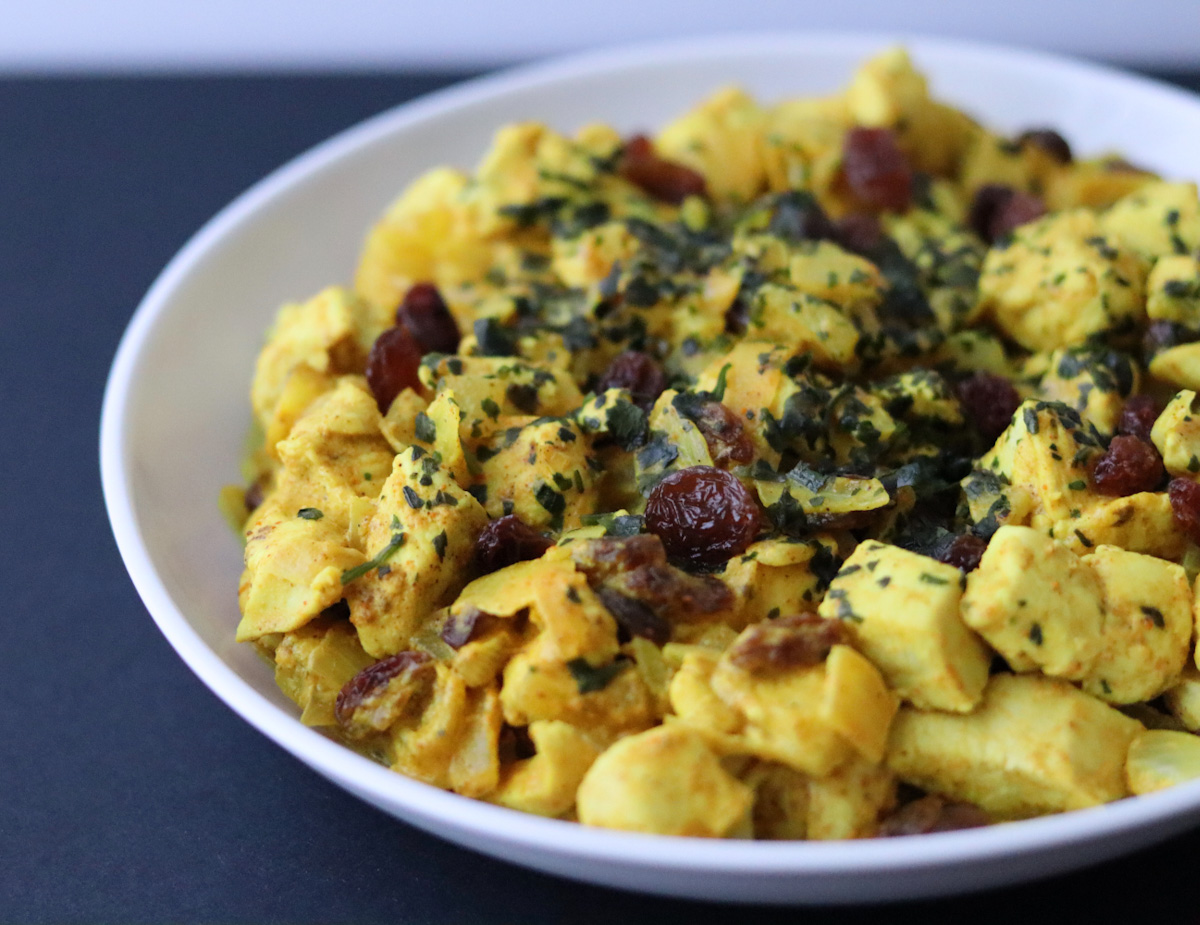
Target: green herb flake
(1154,615)
(718,392)
(310,513)
(1078,485)
(490,408)
(413,499)
(424,428)
(590,678)
(1035,634)
(932,579)
(627,425)
(386,553)
(439,545)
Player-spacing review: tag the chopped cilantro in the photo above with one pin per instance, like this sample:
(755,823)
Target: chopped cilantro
(424,428)
(589,678)
(386,553)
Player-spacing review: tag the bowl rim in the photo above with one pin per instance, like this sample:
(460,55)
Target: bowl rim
(458,817)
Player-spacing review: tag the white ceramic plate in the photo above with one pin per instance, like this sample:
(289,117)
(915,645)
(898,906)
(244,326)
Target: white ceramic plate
(176,409)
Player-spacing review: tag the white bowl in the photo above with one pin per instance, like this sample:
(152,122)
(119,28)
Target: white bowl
(176,409)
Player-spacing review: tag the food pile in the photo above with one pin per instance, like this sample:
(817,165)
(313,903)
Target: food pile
(826,469)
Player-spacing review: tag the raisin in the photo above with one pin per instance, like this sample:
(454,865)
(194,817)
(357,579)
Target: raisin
(253,496)
(1049,141)
(1163,335)
(634,618)
(460,627)
(1129,466)
(932,814)
(507,541)
(370,702)
(964,552)
(425,313)
(637,372)
(794,641)
(727,439)
(392,365)
(876,170)
(1138,417)
(737,316)
(703,515)
(989,401)
(656,176)
(997,210)
(1185,506)
(859,233)
(637,567)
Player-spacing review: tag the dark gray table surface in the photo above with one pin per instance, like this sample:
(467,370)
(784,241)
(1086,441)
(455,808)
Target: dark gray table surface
(129,792)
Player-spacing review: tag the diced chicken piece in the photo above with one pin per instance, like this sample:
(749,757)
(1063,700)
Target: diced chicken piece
(902,611)
(1036,745)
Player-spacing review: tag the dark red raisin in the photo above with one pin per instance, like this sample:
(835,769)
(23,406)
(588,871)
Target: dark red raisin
(703,515)
(932,814)
(996,210)
(859,232)
(1020,209)
(1049,141)
(507,541)
(1163,335)
(793,641)
(876,170)
(637,372)
(964,552)
(253,496)
(725,435)
(1130,466)
(373,680)
(656,176)
(425,313)
(392,365)
(1185,506)
(1138,417)
(460,626)
(737,316)
(989,401)
(634,618)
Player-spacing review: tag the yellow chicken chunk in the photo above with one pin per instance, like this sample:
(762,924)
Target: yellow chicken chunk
(1060,281)
(1037,604)
(421,539)
(546,783)
(313,664)
(1147,625)
(1157,220)
(901,610)
(812,719)
(1173,290)
(540,472)
(1176,434)
(1183,698)
(331,333)
(1035,745)
(1161,758)
(665,781)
